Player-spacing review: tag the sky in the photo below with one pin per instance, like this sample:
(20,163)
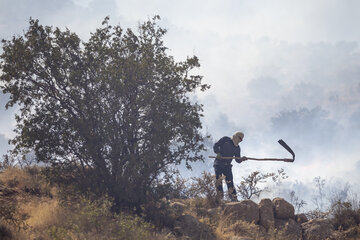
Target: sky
(281,69)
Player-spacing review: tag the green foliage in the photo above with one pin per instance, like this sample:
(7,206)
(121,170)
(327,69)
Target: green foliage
(111,115)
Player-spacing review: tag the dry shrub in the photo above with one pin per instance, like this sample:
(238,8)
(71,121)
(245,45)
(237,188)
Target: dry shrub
(344,216)
(240,229)
(352,233)
(87,219)
(160,214)
(43,213)
(204,187)
(29,180)
(278,234)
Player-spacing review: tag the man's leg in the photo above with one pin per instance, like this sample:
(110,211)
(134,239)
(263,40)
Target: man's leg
(219,187)
(230,183)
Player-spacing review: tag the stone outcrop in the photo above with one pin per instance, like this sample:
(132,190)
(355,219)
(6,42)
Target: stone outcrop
(266,213)
(317,229)
(301,218)
(288,229)
(283,209)
(246,210)
(270,219)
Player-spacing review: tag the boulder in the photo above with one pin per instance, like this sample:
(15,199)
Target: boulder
(317,229)
(266,213)
(187,226)
(283,209)
(288,229)
(246,210)
(301,218)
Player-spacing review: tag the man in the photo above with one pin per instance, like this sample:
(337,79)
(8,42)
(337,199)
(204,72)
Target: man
(227,147)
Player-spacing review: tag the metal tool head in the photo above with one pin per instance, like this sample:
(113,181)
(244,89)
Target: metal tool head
(282,143)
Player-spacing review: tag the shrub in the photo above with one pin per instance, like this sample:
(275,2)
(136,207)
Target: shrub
(205,187)
(86,219)
(160,214)
(344,216)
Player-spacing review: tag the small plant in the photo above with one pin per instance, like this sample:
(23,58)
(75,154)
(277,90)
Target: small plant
(204,187)
(6,162)
(298,203)
(249,186)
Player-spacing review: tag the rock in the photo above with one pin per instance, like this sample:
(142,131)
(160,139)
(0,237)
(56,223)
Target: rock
(288,229)
(187,226)
(283,209)
(266,211)
(178,207)
(301,218)
(246,210)
(317,229)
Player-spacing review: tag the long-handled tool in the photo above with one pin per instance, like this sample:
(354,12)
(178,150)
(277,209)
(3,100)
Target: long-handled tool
(281,142)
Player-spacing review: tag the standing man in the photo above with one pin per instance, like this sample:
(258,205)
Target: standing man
(227,147)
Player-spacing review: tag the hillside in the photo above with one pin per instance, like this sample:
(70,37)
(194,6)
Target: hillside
(33,209)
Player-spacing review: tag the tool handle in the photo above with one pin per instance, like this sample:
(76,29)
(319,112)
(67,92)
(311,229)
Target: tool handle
(258,159)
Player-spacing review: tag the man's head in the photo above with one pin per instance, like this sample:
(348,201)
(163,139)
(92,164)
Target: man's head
(237,137)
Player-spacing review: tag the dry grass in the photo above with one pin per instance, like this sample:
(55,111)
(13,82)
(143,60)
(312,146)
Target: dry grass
(47,219)
(43,213)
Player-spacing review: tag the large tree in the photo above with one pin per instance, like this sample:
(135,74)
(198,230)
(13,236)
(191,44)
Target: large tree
(111,115)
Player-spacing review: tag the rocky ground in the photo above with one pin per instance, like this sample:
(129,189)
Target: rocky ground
(31,209)
(247,220)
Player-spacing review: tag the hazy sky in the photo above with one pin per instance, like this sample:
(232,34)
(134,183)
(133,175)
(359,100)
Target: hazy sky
(277,69)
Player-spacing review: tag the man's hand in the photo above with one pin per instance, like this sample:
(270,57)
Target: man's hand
(241,160)
(218,156)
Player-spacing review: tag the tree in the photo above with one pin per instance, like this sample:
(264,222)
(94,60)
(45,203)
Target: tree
(112,115)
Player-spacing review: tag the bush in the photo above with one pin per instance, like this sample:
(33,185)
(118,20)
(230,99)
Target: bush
(205,187)
(86,219)
(344,216)
(160,214)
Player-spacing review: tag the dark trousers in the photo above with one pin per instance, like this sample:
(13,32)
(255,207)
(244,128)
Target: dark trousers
(225,170)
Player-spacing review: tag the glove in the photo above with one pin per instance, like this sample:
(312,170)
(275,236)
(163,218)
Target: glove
(218,156)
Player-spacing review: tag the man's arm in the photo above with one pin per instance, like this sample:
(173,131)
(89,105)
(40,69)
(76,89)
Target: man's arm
(238,154)
(217,145)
